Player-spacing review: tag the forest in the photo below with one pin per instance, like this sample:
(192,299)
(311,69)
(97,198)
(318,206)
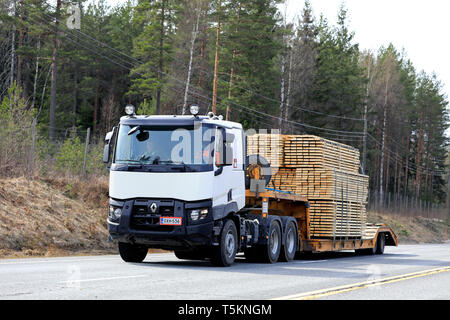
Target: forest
(66,66)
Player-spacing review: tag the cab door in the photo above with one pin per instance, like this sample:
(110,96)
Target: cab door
(222,170)
(229,182)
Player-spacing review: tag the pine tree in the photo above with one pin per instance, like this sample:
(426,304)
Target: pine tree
(153,47)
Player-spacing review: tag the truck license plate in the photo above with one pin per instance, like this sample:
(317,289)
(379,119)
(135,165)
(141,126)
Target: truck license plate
(170,221)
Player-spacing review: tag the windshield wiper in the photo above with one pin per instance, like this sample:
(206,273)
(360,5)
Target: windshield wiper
(180,165)
(133,130)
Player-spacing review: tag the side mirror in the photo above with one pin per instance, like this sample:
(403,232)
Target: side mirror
(108,136)
(106,152)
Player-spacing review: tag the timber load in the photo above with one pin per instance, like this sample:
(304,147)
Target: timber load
(324,171)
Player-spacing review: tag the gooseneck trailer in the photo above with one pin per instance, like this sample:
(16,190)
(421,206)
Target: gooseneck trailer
(186,183)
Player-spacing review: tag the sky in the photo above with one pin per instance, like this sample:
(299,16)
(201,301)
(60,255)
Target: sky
(419,27)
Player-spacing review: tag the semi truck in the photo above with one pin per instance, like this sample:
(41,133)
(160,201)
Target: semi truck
(186,184)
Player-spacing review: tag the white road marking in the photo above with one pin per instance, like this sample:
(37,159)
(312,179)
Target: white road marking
(103,279)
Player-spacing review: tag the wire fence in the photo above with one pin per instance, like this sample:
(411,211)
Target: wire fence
(405,205)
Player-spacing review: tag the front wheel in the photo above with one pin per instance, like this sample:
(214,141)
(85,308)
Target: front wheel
(225,253)
(132,252)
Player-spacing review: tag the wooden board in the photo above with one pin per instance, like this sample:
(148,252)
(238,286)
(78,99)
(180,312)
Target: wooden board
(324,171)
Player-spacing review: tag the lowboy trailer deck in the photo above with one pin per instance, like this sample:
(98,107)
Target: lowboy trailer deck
(375,236)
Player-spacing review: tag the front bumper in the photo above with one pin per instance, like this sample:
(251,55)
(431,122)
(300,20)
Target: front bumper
(141,226)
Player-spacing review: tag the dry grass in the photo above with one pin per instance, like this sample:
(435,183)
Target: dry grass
(53,217)
(413,229)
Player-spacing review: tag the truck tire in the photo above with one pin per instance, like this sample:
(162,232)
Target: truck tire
(132,252)
(271,251)
(381,241)
(224,254)
(290,243)
(369,251)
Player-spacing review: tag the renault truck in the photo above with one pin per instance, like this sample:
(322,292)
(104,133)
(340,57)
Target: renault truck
(186,184)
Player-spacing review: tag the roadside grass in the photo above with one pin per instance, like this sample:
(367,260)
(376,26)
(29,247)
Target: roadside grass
(45,217)
(413,229)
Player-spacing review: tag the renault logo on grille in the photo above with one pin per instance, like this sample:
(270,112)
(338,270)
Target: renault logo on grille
(153,207)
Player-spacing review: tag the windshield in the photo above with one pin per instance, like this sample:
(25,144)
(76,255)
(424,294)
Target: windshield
(155,145)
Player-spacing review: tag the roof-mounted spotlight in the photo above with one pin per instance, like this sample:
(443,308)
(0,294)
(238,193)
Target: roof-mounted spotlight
(130,110)
(210,114)
(194,109)
(220,117)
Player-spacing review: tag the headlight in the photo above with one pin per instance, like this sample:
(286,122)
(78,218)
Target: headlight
(195,214)
(114,213)
(203,213)
(198,214)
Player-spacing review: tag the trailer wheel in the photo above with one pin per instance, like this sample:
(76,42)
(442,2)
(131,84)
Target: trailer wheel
(369,251)
(225,253)
(290,240)
(132,252)
(271,251)
(381,241)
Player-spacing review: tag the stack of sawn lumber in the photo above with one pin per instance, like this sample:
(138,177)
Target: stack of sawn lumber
(324,171)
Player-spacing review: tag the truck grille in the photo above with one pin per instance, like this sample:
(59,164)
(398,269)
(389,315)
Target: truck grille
(146,213)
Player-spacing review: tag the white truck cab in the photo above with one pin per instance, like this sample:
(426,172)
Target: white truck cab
(173,179)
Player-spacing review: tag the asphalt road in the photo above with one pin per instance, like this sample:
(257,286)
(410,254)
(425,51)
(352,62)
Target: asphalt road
(404,272)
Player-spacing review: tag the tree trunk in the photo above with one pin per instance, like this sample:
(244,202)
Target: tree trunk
(36,73)
(216,63)
(13,56)
(75,96)
(418,157)
(288,96)
(230,87)
(19,45)
(408,141)
(280,119)
(383,142)
(161,58)
(366,102)
(54,75)
(202,53)
(191,55)
(95,115)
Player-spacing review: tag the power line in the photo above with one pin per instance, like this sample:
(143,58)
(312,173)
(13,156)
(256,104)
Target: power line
(340,132)
(410,166)
(223,81)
